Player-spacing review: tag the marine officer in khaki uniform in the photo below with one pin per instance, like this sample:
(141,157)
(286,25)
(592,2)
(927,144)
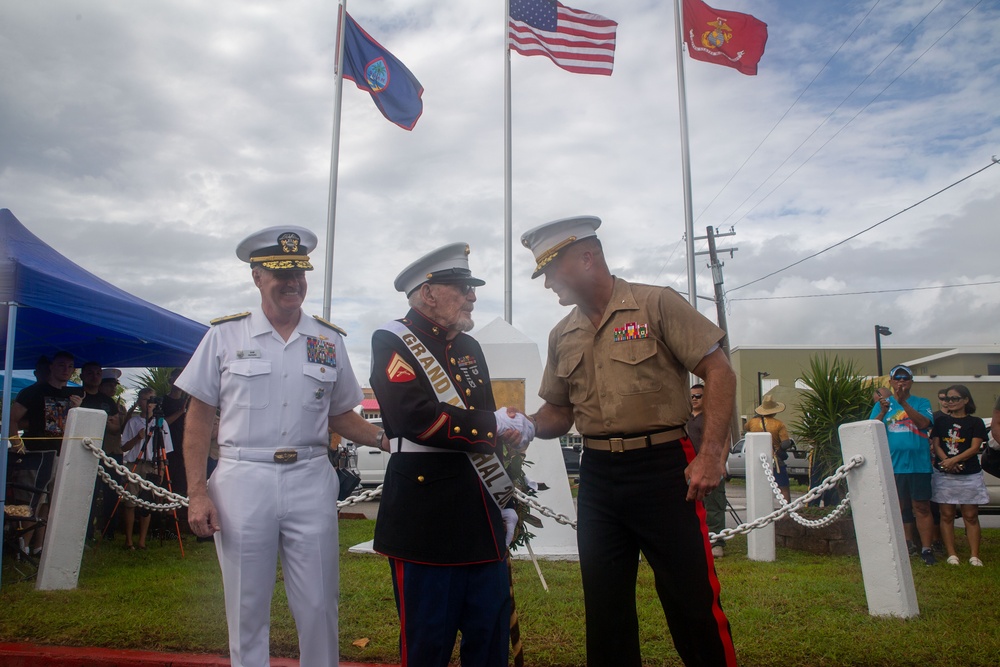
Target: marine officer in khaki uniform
(282,381)
(617,366)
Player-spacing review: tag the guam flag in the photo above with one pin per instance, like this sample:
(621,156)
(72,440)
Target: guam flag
(394,89)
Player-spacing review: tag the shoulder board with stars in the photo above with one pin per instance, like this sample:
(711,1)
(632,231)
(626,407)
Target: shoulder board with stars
(330,325)
(229,318)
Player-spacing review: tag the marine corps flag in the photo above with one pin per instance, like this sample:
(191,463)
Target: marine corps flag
(725,38)
(394,89)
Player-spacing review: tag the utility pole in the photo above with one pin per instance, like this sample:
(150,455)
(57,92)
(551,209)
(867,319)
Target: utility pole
(720,308)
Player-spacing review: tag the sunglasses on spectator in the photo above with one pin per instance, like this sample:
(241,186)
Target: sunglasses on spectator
(695,395)
(901,378)
(951,399)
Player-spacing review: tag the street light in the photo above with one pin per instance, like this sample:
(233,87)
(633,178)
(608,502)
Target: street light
(879,332)
(760,385)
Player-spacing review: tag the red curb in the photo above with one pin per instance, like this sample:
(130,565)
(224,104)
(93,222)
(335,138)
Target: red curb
(32,655)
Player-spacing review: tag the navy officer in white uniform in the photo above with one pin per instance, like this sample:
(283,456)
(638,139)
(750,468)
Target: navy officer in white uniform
(282,381)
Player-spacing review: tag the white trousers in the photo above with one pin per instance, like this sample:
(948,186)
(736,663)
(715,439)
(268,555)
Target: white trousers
(267,510)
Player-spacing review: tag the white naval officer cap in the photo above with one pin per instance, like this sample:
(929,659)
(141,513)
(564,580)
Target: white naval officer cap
(281,248)
(447,264)
(545,241)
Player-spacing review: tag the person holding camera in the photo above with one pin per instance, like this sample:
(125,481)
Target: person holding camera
(141,455)
(765,422)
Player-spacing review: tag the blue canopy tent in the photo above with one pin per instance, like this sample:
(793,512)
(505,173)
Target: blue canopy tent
(53,304)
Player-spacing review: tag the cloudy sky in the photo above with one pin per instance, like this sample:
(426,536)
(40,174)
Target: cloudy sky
(144,140)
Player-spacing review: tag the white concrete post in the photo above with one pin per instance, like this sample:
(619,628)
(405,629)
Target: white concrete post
(760,498)
(878,524)
(76,469)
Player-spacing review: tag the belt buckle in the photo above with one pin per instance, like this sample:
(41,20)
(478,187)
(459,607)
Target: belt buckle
(620,443)
(286,456)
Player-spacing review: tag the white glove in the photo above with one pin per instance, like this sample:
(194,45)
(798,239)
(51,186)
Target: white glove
(519,424)
(510,523)
(527,430)
(505,422)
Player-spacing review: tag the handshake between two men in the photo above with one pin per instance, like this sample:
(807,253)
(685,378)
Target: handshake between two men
(514,429)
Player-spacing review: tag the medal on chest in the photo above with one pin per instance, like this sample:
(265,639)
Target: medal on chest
(631,331)
(468,369)
(321,351)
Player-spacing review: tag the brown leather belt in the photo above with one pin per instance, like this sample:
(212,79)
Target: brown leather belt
(637,442)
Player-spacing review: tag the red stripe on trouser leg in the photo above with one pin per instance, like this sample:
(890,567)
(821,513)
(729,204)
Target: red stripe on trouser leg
(398,568)
(720,616)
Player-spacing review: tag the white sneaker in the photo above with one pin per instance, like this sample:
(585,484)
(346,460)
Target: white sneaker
(952,560)
(975,562)
(718,551)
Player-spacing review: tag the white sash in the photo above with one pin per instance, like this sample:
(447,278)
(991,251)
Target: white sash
(489,467)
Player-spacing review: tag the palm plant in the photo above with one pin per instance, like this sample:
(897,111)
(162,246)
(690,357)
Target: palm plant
(838,394)
(156,377)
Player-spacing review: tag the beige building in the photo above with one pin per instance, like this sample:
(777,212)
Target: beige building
(778,371)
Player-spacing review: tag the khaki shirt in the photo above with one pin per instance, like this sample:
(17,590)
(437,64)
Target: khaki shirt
(630,375)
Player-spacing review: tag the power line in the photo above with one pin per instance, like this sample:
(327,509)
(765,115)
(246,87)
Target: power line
(787,111)
(877,291)
(825,120)
(869,228)
(852,119)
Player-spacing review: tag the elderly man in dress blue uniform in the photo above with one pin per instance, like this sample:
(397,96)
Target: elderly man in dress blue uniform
(446,516)
(283,382)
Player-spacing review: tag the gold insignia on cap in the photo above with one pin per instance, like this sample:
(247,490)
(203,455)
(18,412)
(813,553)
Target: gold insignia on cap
(457,430)
(475,432)
(467,251)
(289,242)
(552,253)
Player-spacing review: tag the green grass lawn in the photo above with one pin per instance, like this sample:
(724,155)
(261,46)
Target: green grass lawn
(800,610)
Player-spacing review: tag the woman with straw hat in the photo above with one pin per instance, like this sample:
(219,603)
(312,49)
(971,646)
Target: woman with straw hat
(765,422)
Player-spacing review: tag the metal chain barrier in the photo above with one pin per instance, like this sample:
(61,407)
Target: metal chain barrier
(545,511)
(368,494)
(174,500)
(786,509)
(808,523)
(813,494)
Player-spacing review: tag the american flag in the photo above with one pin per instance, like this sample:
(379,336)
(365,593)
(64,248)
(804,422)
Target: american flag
(575,40)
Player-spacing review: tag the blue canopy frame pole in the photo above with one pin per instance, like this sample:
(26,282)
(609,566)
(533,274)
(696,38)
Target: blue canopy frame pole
(8,386)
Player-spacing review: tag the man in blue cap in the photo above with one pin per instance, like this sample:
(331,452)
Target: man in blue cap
(907,420)
(618,367)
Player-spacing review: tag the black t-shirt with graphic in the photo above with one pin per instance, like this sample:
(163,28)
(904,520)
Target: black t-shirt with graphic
(47,408)
(956,435)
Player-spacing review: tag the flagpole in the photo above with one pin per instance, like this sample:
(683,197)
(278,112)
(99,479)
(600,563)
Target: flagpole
(508,290)
(331,209)
(685,153)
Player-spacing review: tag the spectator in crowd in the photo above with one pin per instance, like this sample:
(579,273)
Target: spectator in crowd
(766,422)
(715,501)
(957,479)
(942,404)
(112,447)
(907,419)
(617,366)
(282,381)
(141,455)
(91,375)
(454,578)
(44,406)
(175,405)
